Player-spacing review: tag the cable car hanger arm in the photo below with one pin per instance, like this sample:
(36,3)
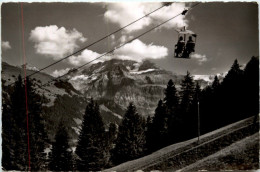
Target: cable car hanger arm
(184,12)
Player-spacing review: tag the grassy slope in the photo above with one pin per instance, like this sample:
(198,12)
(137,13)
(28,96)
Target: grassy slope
(9,73)
(241,155)
(179,155)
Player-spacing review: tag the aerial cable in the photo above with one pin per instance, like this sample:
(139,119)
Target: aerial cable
(101,39)
(112,50)
(93,43)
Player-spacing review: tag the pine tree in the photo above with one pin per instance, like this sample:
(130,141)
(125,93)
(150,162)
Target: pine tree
(232,102)
(171,99)
(187,94)
(130,143)
(158,130)
(233,80)
(251,87)
(206,111)
(8,141)
(9,127)
(61,154)
(215,84)
(216,97)
(234,73)
(187,91)
(90,149)
(171,102)
(37,134)
(111,138)
(17,110)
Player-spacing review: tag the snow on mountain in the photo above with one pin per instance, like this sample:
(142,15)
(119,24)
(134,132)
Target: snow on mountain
(142,72)
(209,78)
(29,67)
(32,68)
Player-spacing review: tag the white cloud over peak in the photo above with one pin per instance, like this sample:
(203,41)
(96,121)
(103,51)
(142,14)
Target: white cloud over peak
(135,50)
(85,57)
(55,42)
(6,45)
(125,13)
(138,51)
(200,58)
(58,73)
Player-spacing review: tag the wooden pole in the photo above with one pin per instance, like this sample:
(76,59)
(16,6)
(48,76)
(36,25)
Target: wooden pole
(198,121)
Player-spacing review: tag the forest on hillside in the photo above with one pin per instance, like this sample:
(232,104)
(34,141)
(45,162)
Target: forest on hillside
(175,119)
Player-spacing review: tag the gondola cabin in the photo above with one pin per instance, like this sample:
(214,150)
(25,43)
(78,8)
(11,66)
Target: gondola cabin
(186,44)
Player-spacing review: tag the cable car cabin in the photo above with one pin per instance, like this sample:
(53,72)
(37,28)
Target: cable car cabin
(186,44)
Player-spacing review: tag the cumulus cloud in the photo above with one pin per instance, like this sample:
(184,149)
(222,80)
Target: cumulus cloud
(200,58)
(125,13)
(85,57)
(138,51)
(61,72)
(55,42)
(6,45)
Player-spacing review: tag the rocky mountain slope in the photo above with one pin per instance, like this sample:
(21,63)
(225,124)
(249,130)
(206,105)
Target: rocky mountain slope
(116,83)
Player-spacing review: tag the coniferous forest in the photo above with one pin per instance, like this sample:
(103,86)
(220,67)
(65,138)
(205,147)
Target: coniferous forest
(175,119)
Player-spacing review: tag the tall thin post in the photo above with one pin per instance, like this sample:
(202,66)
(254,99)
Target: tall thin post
(198,121)
(25,90)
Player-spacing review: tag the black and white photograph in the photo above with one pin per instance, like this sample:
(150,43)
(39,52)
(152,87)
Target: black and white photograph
(130,86)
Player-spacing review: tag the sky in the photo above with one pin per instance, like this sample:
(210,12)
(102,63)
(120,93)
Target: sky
(226,31)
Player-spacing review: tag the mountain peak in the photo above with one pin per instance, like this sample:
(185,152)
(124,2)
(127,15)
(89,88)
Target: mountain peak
(146,64)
